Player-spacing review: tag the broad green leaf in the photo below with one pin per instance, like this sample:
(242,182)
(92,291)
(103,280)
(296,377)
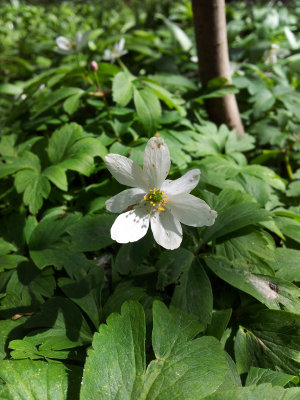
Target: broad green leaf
(171,265)
(148,108)
(53,98)
(261,392)
(290,227)
(174,142)
(268,339)
(122,88)
(86,292)
(257,376)
(7,260)
(286,264)
(72,103)
(32,380)
(8,88)
(131,255)
(34,186)
(178,34)
(28,160)
(116,363)
(256,187)
(293,189)
(57,175)
(219,322)
(59,325)
(10,329)
(71,148)
(90,233)
(235,217)
(194,293)
(183,368)
(249,248)
(167,97)
(31,285)
(269,290)
(124,291)
(216,93)
(46,244)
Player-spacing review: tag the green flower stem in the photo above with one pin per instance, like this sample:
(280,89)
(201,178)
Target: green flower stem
(288,166)
(121,64)
(103,94)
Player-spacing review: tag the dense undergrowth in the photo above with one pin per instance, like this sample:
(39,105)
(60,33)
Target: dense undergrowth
(221,314)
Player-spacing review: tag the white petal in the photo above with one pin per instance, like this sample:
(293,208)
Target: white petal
(125,171)
(192,211)
(125,199)
(123,52)
(78,37)
(107,55)
(131,226)
(166,230)
(182,185)
(64,43)
(156,162)
(81,39)
(120,45)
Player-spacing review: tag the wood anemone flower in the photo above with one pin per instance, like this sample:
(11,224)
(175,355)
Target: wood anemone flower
(153,199)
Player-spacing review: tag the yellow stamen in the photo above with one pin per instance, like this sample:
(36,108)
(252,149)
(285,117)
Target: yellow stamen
(157,199)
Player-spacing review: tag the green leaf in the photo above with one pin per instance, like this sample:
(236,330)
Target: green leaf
(58,326)
(35,186)
(234,217)
(257,376)
(182,364)
(118,352)
(268,339)
(178,34)
(10,329)
(293,189)
(251,249)
(269,290)
(122,88)
(124,291)
(147,107)
(91,232)
(28,160)
(72,103)
(180,369)
(86,292)
(171,265)
(167,97)
(194,293)
(31,284)
(57,175)
(219,322)
(71,148)
(290,227)
(32,380)
(46,245)
(286,264)
(53,98)
(131,255)
(261,392)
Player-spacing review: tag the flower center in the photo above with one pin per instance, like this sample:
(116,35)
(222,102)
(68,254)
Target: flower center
(157,199)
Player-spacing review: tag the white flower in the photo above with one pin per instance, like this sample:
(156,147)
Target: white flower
(117,51)
(67,46)
(163,204)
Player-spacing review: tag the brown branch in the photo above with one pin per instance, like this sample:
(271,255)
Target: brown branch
(211,40)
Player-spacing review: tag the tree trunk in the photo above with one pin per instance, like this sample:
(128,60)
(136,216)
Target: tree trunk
(212,48)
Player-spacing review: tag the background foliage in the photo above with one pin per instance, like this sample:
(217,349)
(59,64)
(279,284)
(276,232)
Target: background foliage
(217,318)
